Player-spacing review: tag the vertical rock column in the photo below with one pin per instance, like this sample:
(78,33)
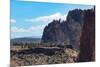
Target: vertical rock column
(87,40)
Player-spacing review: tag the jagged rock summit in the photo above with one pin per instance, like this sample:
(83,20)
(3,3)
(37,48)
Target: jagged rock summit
(65,32)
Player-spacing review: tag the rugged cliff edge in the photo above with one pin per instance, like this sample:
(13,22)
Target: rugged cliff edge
(69,31)
(65,32)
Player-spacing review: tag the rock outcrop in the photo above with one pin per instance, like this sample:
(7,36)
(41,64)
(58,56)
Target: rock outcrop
(69,31)
(65,32)
(87,40)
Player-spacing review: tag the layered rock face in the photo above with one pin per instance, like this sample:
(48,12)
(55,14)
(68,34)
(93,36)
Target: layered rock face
(65,32)
(87,41)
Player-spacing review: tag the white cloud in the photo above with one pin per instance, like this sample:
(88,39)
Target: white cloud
(13,21)
(36,28)
(27,30)
(15,29)
(48,19)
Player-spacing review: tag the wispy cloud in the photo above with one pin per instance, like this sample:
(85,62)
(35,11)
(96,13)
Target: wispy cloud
(27,30)
(40,27)
(13,21)
(48,19)
(16,29)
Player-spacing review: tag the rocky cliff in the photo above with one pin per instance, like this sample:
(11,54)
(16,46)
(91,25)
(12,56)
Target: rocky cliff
(87,40)
(65,32)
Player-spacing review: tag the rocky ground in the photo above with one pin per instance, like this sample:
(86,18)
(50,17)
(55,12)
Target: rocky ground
(43,55)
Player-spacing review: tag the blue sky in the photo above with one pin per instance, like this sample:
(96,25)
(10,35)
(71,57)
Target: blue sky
(27,18)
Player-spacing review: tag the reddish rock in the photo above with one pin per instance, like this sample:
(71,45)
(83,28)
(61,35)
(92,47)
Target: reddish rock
(87,40)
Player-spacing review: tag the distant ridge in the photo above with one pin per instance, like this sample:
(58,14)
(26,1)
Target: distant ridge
(25,40)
